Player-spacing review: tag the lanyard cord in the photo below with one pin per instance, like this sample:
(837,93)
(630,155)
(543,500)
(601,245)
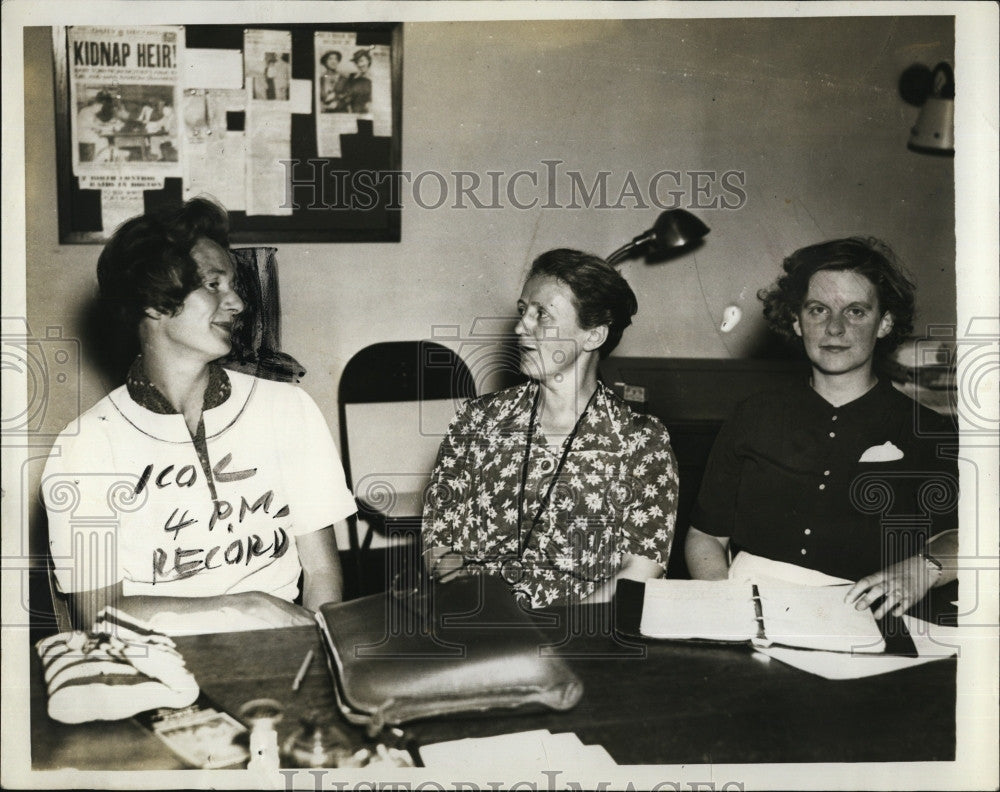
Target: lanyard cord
(567,444)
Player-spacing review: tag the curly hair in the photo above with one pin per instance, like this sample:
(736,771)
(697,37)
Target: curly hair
(865,255)
(601,295)
(147,263)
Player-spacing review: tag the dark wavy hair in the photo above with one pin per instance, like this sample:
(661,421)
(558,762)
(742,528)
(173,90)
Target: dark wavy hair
(147,262)
(601,295)
(865,255)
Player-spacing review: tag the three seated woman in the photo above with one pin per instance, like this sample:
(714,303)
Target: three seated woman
(234,483)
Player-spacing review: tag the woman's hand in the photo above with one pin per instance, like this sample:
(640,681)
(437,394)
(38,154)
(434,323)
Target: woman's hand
(322,577)
(251,610)
(271,611)
(903,585)
(637,568)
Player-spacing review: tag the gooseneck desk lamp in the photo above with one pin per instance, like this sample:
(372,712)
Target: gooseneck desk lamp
(674,232)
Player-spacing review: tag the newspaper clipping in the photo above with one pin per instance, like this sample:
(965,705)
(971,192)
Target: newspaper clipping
(267,58)
(352,82)
(332,52)
(124,93)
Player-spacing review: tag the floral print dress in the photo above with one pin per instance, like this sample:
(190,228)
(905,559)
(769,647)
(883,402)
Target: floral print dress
(615,495)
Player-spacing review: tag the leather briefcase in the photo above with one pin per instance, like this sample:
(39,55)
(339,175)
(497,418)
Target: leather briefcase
(439,649)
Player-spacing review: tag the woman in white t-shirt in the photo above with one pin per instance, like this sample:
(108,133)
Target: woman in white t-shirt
(216,491)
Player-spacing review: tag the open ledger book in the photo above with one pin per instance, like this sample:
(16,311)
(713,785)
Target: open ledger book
(763,613)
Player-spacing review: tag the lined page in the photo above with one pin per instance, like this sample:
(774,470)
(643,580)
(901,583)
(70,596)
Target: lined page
(714,610)
(816,617)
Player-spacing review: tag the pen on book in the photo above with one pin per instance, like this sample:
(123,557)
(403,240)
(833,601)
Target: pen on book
(302,670)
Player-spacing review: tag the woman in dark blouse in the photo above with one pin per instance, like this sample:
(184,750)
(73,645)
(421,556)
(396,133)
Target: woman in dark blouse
(841,475)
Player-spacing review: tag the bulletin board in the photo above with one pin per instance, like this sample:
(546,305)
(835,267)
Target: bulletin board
(295,129)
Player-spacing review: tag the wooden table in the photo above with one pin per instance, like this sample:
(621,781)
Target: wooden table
(677,704)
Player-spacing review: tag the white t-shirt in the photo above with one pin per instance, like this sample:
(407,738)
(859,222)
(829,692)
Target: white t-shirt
(127,497)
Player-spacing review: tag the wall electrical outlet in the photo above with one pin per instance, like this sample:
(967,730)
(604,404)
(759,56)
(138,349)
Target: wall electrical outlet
(634,393)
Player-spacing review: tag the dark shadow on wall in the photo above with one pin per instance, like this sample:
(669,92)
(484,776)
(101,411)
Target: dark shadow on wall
(765,344)
(108,348)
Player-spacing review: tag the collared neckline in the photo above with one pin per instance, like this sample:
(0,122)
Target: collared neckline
(145,393)
(598,420)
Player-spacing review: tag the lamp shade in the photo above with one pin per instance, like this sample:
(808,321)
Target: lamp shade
(934,130)
(673,230)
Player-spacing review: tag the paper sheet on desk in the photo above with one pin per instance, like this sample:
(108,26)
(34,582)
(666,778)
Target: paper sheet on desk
(226,619)
(932,643)
(531,751)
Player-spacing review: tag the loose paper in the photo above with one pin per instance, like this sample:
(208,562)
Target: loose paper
(216,155)
(381,105)
(269,132)
(213,68)
(353,82)
(932,642)
(267,64)
(300,100)
(533,751)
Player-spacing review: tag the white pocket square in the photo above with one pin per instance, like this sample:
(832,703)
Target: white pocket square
(886,452)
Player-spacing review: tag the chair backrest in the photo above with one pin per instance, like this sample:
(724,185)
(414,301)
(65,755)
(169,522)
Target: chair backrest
(392,447)
(396,399)
(60,605)
(397,371)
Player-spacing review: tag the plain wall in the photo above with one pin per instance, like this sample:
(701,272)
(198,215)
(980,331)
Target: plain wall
(806,109)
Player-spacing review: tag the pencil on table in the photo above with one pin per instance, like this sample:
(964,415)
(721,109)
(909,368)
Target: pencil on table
(302,670)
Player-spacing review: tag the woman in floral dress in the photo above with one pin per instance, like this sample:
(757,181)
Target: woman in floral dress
(556,485)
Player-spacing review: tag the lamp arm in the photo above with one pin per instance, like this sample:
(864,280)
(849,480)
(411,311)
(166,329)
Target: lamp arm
(621,254)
